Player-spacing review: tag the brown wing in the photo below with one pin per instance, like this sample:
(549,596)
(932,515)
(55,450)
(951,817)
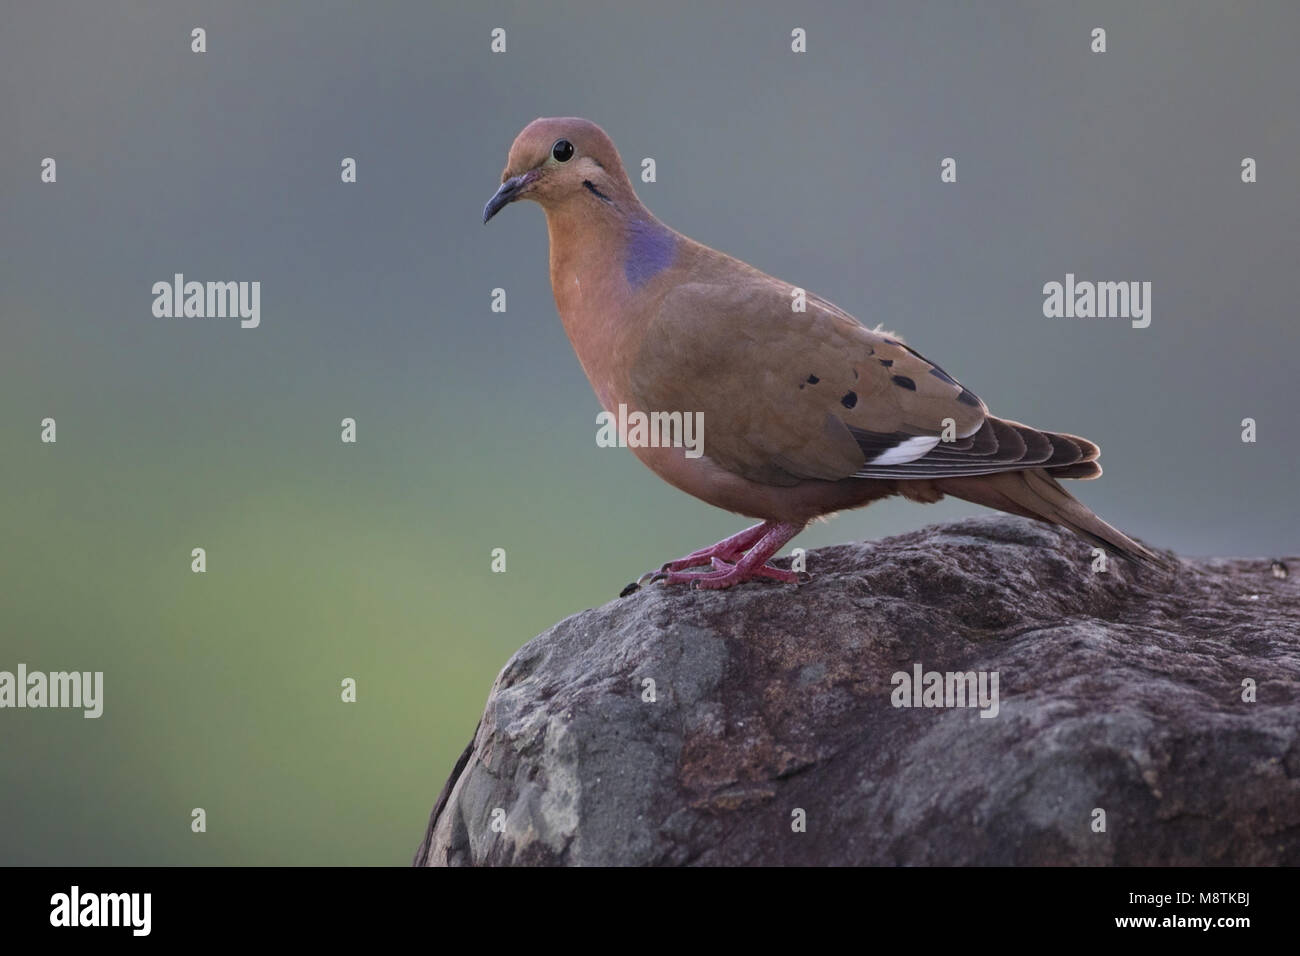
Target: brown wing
(790,395)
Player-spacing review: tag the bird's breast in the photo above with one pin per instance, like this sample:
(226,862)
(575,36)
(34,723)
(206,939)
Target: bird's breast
(602,325)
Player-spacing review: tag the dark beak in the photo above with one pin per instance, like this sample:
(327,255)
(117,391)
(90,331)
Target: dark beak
(508,193)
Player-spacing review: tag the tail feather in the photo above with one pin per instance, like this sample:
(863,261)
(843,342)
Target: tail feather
(1033,493)
(1084,470)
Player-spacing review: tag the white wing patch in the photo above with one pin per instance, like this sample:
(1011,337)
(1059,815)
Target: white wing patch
(909,450)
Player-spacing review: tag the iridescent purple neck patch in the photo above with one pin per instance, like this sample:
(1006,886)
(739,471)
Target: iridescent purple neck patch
(651,248)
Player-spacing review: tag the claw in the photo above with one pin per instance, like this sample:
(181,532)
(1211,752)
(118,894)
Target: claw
(644,581)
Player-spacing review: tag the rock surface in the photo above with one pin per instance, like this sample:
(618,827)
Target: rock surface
(1119,691)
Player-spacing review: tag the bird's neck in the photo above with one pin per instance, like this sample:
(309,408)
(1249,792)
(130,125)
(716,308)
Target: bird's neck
(605,259)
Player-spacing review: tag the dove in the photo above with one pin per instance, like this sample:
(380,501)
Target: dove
(806,411)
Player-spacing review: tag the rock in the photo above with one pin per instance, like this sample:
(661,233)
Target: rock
(1119,692)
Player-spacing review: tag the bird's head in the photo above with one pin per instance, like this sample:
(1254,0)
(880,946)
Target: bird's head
(557,160)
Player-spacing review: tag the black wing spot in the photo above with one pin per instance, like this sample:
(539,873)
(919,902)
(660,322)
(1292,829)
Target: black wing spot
(967,397)
(849,400)
(813,380)
(943,376)
(902,381)
(885,362)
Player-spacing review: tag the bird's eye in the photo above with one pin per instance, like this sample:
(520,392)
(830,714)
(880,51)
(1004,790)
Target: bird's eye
(562,151)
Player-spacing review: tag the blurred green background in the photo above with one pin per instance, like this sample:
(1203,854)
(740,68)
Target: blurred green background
(477,430)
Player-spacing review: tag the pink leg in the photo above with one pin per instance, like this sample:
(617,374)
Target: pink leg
(728,549)
(738,558)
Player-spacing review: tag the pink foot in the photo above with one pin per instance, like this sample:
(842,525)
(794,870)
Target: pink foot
(724,575)
(742,557)
(728,549)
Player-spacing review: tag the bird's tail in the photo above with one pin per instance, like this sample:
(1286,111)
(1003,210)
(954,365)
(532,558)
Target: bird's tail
(1033,493)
